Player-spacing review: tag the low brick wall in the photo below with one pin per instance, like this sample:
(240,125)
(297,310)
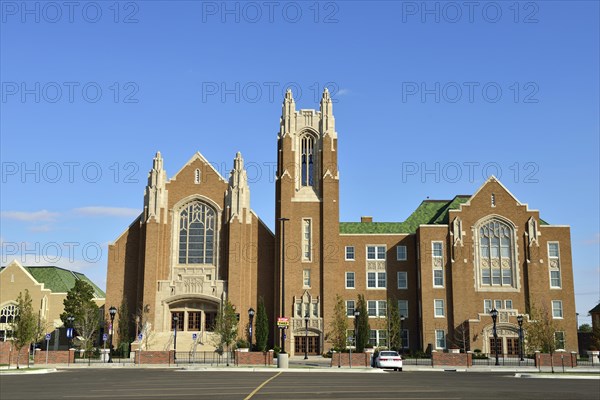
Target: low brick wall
(559,359)
(9,354)
(155,357)
(358,359)
(253,358)
(451,359)
(55,357)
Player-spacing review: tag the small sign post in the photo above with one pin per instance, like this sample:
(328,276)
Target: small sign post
(47,345)
(140,337)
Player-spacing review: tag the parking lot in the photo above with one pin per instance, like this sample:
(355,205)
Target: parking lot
(176,384)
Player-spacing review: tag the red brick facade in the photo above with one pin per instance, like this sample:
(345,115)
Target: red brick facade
(9,355)
(155,357)
(451,359)
(253,358)
(434,263)
(344,359)
(54,357)
(568,360)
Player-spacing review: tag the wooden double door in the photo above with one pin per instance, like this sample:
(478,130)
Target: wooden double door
(301,344)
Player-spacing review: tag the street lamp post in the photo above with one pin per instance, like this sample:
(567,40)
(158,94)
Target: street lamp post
(402,318)
(251,316)
(306,318)
(282,310)
(494,314)
(71,320)
(520,321)
(112,311)
(176,320)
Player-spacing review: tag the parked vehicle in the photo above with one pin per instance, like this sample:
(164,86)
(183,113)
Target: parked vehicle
(388,359)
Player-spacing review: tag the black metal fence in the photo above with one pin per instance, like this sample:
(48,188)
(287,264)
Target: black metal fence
(417,360)
(204,358)
(583,361)
(94,358)
(503,360)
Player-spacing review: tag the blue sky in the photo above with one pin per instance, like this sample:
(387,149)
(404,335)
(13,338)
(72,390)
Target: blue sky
(431,98)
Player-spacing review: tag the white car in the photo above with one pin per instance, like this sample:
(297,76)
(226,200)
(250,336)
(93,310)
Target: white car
(389,359)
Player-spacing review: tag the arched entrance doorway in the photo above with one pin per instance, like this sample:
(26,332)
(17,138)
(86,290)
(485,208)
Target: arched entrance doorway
(508,339)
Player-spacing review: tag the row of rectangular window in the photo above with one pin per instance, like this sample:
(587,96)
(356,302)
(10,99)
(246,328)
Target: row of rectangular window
(376,253)
(377,280)
(378,308)
(497,304)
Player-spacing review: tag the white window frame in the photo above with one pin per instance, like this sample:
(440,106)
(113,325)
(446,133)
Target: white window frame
(562,339)
(353,280)
(380,335)
(404,334)
(498,304)
(560,309)
(398,275)
(554,269)
(306,278)
(399,311)
(508,304)
(435,308)
(443,338)
(377,279)
(439,269)
(486,308)
(376,248)
(380,308)
(401,254)
(346,250)
(306,242)
(348,314)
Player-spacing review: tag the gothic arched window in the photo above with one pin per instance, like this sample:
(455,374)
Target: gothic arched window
(8,314)
(196,234)
(307,160)
(496,249)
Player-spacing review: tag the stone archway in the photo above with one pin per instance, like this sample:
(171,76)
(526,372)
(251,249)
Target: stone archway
(508,339)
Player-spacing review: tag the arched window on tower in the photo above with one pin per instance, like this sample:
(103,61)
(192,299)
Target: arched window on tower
(496,245)
(196,234)
(307,160)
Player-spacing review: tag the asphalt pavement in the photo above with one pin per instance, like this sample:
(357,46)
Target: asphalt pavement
(154,383)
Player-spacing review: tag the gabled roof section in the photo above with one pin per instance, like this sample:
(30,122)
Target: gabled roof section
(429,212)
(595,309)
(198,156)
(60,280)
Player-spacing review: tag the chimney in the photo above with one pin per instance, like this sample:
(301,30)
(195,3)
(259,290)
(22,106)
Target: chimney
(366,219)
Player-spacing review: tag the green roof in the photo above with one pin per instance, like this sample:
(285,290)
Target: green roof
(61,280)
(428,212)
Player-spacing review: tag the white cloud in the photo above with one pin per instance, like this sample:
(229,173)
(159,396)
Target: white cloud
(99,211)
(30,216)
(594,240)
(342,92)
(40,228)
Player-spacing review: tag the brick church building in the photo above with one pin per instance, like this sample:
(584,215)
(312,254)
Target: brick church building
(197,241)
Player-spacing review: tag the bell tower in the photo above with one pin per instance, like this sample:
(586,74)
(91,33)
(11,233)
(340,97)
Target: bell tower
(307,208)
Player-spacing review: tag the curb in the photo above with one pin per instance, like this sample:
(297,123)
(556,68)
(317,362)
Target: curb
(26,372)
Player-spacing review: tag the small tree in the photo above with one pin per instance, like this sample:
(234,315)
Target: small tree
(460,336)
(26,324)
(261,326)
(339,325)
(540,332)
(362,323)
(226,326)
(86,325)
(585,328)
(394,325)
(142,317)
(123,324)
(78,301)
